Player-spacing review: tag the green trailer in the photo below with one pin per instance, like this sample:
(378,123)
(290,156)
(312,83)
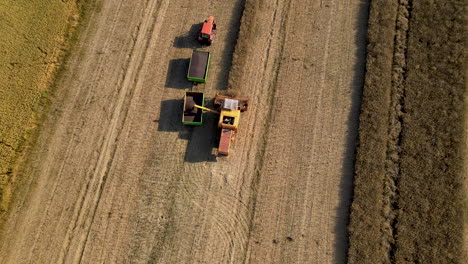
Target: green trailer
(192,115)
(198,66)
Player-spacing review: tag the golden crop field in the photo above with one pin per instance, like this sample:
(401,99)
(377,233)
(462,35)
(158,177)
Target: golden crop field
(32,43)
(408,195)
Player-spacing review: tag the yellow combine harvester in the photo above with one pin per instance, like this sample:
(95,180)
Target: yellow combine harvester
(229,109)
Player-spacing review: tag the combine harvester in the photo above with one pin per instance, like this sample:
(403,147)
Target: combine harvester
(228,109)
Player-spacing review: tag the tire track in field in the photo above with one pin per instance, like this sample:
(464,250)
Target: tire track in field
(310,137)
(84,217)
(294,133)
(330,115)
(317,114)
(306,144)
(340,98)
(67,153)
(331,153)
(278,45)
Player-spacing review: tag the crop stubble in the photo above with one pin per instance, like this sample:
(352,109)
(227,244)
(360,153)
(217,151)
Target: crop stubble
(117,178)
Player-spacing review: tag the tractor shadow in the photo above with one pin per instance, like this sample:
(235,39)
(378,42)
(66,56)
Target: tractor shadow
(201,139)
(177,74)
(189,40)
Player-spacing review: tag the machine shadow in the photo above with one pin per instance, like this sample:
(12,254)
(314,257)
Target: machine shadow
(189,40)
(347,175)
(202,139)
(177,74)
(170,118)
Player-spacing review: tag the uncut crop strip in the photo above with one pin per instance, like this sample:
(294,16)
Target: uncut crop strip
(32,43)
(38,38)
(408,184)
(430,217)
(369,229)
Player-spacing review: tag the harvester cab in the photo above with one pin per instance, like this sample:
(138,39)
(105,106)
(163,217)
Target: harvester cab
(229,115)
(207,31)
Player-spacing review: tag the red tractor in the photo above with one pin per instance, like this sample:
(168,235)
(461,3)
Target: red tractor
(207,31)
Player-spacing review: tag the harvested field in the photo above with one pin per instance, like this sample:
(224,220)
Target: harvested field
(31,44)
(408,195)
(116,177)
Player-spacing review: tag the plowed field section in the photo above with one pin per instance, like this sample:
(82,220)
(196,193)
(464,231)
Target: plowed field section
(116,178)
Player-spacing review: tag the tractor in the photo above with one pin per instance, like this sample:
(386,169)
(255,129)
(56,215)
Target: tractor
(207,31)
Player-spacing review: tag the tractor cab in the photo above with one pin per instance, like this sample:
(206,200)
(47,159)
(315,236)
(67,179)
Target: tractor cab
(207,31)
